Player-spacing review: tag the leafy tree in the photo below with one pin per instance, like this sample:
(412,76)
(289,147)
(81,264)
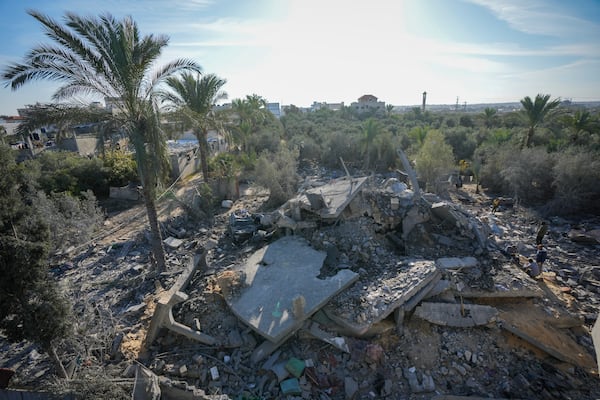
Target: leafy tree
(110,58)
(529,175)
(435,158)
(535,111)
(417,136)
(370,129)
(576,175)
(462,142)
(195,98)
(121,168)
(31,306)
(466,121)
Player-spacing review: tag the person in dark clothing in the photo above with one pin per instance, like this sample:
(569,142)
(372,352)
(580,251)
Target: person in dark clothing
(543,229)
(540,256)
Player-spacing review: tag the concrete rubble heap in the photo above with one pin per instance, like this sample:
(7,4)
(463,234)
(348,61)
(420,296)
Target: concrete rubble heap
(357,288)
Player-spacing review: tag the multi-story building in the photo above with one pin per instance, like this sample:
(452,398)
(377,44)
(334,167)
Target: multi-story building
(316,105)
(367,103)
(275,109)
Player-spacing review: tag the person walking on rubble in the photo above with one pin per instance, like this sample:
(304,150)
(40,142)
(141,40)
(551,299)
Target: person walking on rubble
(495,204)
(543,229)
(540,256)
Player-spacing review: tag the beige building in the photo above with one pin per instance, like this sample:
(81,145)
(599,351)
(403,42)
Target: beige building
(368,102)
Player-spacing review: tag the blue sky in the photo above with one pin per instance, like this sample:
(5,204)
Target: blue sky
(297,52)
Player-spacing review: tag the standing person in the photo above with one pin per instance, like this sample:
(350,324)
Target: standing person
(541,232)
(540,256)
(495,204)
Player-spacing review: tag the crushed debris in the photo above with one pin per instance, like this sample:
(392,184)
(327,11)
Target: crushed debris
(356,288)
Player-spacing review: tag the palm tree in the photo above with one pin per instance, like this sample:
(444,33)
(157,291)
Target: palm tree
(535,112)
(109,58)
(579,123)
(370,129)
(194,98)
(251,114)
(489,117)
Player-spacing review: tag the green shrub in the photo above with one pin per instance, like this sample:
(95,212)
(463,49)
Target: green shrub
(72,220)
(344,145)
(529,175)
(120,167)
(277,172)
(491,160)
(576,183)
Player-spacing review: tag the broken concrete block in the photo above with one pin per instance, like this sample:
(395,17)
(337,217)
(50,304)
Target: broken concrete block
(183,370)
(330,200)
(457,315)
(214,373)
(173,242)
(350,387)
(455,262)
(280,371)
(413,217)
(234,339)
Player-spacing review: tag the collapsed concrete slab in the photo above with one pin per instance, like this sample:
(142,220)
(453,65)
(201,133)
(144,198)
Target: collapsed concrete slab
(331,199)
(456,315)
(534,325)
(358,309)
(278,287)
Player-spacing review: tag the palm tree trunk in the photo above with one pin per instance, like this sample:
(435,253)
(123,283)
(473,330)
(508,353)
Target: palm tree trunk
(203,146)
(529,136)
(158,250)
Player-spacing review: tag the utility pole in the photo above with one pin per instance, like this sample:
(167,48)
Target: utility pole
(424,100)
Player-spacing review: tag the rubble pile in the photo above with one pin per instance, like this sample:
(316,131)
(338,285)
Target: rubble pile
(358,288)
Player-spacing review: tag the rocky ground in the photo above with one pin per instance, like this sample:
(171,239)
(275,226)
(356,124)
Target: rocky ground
(114,296)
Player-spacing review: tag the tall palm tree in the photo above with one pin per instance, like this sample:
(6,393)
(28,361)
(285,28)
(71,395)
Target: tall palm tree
(194,98)
(535,111)
(109,58)
(370,129)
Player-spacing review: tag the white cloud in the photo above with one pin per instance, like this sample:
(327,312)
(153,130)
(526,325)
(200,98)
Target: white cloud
(539,17)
